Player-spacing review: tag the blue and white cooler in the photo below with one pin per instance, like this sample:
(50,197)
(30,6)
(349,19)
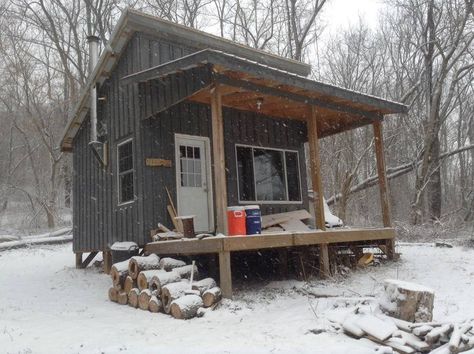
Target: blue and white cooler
(253,220)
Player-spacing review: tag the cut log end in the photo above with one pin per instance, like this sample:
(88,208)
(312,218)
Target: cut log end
(138,264)
(128,284)
(133,297)
(122,298)
(144,299)
(155,304)
(211,296)
(113,294)
(186,307)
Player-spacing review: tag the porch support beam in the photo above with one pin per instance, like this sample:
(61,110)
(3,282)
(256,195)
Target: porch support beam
(220,187)
(273,91)
(318,202)
(382,177)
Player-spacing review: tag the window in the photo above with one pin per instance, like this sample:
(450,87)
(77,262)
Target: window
(268,175)
(125,172)
(190,166)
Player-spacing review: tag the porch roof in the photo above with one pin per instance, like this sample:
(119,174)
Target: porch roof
(251,86)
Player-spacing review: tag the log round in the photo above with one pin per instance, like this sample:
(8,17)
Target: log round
(138,264)
(185,307)
(113,294)
(169,264)
(161,279)
(133,297)
(185,271)
(144,299)
(129,284)
(155,304)
(118,273)
(211,296)
(145,277)
(172,292)
(408,301)
(122,298)
(204,284)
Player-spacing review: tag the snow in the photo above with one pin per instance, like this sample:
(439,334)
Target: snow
(48,306)
(124,246)
(407,286)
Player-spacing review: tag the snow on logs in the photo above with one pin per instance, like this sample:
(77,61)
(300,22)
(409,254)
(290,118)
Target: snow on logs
(167,285)
(138,264)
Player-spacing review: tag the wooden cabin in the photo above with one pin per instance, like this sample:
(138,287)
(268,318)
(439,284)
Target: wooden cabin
(180,109)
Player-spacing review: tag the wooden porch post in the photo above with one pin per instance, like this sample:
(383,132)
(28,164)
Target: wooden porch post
(317,188)
(220,183)
(220,187)
(384,197)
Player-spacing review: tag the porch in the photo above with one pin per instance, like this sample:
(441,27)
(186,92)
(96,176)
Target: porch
(224,246)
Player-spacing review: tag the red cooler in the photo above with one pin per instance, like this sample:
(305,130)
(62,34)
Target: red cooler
(236,221)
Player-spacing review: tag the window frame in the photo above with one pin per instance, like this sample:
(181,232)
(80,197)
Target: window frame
(300,201)
(119,186)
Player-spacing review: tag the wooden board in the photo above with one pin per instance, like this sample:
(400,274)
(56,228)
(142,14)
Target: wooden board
(294,225)
(153,162)
(275,219)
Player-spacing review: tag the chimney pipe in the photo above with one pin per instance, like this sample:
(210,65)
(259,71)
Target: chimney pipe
(93,57)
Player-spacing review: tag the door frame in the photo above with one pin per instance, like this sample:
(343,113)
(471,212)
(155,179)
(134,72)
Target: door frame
(208,169)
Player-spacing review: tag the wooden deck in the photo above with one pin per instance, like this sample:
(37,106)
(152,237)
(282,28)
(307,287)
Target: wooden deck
(223,246)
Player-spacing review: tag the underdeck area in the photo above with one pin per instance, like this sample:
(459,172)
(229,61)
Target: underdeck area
(224,246)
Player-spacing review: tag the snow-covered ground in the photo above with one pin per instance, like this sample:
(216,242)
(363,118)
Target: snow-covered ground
(47,306)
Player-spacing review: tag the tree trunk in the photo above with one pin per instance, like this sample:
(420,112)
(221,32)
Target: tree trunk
(211,296)
(172,292)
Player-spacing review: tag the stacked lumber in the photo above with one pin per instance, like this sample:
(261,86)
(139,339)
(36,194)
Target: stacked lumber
(407,337)
(289,221)
(167,285)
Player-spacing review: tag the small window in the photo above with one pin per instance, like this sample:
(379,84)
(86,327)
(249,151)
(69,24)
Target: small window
(126,191)
(190,166)
(268,175)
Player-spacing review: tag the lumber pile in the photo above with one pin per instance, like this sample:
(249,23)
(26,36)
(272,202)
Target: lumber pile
(289,221)
(163,285)
(407,337)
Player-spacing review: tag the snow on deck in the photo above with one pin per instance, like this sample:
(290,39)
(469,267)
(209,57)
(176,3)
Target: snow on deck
(47,306)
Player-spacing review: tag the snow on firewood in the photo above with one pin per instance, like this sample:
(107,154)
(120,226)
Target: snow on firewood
(161,279)
(171,292)
(138,264)
(145,276)
(204,284)
(185,271)
(211,296)
(186,306)
(118,273)
(374,326)
(169,264)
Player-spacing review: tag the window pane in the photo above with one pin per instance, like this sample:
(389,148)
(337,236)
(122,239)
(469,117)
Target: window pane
(126,187)
(292,176)
(269,175)
(189,151)
(197,153)
(182,151)
(245,173)
(125,157)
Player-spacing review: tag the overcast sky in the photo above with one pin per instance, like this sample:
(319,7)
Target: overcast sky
(339,13)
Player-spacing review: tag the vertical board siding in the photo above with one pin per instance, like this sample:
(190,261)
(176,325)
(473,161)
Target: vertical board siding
(98,220)
(195,119)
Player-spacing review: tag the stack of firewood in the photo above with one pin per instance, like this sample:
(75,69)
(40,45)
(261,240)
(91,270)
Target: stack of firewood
(407,338)
(163,285)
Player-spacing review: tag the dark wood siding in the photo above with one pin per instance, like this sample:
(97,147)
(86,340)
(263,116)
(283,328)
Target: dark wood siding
(239,128)
(98,220)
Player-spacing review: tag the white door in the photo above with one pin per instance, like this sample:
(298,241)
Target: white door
(193,178)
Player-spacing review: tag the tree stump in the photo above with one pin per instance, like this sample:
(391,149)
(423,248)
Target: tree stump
(408,301)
